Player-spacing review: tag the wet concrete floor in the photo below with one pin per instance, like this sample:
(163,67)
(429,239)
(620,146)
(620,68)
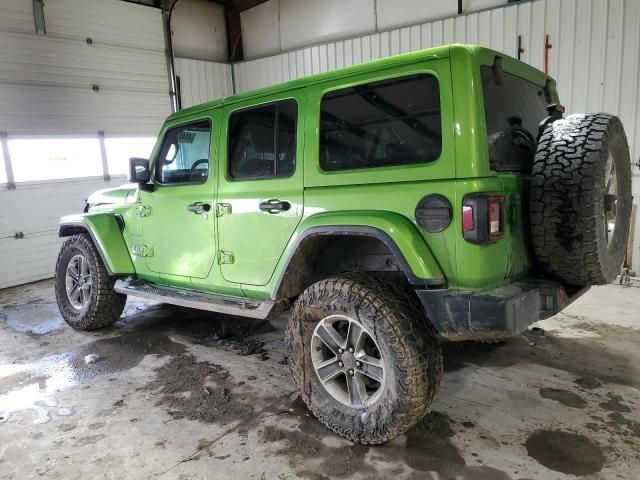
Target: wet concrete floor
(180,394)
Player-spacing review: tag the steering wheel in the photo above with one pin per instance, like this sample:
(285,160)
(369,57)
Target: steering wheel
(197,163)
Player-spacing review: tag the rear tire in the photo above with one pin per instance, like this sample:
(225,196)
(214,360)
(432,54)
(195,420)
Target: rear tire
(575,197)
(400,339)
(84,290)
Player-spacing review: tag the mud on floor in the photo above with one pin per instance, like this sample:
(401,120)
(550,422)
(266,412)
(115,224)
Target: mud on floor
(190,389)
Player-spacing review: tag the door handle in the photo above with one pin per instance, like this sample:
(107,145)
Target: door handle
(198,207)
(275,206)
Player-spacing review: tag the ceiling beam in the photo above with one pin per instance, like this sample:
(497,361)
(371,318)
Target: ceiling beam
(242,5)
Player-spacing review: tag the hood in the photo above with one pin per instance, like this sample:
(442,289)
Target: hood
(109,196)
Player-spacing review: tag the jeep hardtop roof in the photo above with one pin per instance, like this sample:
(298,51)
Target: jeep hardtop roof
(442,51)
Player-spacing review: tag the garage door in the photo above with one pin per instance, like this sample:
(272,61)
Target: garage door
(93,83)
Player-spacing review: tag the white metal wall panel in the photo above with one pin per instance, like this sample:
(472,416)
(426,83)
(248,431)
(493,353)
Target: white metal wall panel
(595,55)
(37,110)
(109,22)
(17,16)
(41,60)
(33,257)
(202,81)
(60,84)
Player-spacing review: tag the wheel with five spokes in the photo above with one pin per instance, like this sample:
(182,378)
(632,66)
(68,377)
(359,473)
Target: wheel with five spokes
(84,290)
(364,356)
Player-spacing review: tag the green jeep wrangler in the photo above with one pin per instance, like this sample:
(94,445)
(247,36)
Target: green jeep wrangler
(431,196)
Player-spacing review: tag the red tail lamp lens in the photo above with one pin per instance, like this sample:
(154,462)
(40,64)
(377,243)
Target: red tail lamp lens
(483,217)
(467,219)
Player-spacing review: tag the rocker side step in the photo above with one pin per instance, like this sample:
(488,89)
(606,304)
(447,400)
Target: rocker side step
(202,301)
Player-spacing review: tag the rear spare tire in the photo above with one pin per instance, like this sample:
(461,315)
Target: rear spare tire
(580,199)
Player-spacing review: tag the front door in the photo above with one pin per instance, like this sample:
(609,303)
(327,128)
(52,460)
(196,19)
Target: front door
(260,192)
(178,224)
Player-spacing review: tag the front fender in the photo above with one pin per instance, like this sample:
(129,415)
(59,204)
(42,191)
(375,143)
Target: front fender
(396,231)
(107,238)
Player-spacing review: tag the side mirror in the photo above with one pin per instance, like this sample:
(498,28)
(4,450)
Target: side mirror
(139,170)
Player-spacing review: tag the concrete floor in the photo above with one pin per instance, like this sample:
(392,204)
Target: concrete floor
(180,394)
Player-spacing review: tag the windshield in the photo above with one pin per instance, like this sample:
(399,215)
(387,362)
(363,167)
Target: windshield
(514,107)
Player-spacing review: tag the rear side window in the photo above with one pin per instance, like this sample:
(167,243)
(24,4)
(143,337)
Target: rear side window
(514,108)
(391,122)
(262,141)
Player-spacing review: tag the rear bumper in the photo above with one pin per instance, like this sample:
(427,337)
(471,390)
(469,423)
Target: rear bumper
(500,313)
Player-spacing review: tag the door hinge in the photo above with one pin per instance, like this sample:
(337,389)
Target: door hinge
(143,211)
(225,257)
(142,250)
(223,209)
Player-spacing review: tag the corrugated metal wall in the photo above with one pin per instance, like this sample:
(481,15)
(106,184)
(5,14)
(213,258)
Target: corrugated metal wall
(595,55)
(201,81)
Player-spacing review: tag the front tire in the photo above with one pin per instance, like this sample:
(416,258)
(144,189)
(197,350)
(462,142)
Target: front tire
(84,290)
(365,358)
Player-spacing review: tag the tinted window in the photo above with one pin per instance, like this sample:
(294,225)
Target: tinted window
(513,108)
(392,122)
(262,141)
(184,156)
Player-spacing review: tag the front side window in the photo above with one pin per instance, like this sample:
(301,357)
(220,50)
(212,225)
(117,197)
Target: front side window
(262,141)
(184,156)
(514,107)
(380,124)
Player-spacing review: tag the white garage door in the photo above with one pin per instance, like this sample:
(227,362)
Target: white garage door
(99,66)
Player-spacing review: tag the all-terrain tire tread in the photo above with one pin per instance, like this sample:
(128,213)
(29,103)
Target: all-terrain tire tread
(411,335)
(564,193)
(106,306)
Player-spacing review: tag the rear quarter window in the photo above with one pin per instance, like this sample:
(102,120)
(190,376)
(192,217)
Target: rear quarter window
(514,107)
(380,124)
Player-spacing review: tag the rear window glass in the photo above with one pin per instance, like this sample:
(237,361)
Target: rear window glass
(514,108)
(392,122)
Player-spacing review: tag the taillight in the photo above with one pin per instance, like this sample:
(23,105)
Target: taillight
(496,217)
(483,217)
(467,219)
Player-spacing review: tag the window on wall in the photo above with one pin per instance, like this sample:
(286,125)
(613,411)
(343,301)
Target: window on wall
(120,150)
(3,173)
(262,141)
(391,122)
(51,159)
(184,155)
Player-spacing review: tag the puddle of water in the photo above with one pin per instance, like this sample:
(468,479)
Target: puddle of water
(565,397)
(565,452)
(33,386)
(33,318)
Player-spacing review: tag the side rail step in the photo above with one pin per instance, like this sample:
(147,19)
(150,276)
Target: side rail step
(202,301)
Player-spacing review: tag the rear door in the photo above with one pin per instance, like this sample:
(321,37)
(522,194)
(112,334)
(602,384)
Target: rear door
(260,197)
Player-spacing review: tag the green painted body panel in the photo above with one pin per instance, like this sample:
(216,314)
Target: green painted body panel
(186,247)
(108,197)
(107,237)
(256,238)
